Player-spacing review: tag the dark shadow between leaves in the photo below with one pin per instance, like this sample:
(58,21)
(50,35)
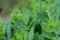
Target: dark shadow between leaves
(38,29)
(45,38)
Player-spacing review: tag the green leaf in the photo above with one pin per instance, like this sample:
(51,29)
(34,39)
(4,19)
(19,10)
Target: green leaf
(31,33)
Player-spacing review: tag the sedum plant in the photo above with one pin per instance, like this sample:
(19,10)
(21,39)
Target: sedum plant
(38,20)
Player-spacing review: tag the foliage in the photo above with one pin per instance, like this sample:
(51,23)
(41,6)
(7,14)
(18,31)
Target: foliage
(38,20)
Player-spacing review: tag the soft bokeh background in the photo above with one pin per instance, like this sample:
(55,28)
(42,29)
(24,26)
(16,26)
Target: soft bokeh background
(7,5)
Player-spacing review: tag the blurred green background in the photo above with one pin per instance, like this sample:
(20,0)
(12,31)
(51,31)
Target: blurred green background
(7,5)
